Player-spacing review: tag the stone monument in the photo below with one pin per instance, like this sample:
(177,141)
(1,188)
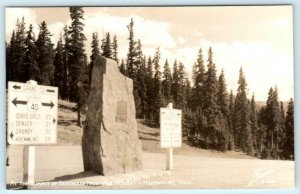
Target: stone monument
(110,143)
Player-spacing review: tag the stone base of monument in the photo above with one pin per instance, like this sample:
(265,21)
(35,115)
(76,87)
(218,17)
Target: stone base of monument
(110,143)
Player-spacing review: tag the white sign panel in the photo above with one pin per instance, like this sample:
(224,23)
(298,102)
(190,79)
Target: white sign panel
(32,114)
(170,128)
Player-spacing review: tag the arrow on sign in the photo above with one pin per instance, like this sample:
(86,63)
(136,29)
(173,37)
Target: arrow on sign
(48,104)
(16,87)
(16,102)
(52,91)
(11,135)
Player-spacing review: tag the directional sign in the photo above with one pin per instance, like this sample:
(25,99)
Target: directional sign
(170,128)
(32,113)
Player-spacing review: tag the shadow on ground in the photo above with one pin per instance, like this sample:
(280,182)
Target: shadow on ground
(75,176)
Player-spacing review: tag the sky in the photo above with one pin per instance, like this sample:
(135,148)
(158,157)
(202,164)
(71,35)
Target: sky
(257,38)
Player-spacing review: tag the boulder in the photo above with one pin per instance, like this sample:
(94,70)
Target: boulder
(110,143)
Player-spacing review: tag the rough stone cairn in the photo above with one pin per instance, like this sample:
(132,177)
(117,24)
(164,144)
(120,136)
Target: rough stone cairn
(110,143)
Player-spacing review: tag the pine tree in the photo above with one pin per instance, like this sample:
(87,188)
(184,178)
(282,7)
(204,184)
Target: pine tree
(198,120)
(273,123)
(230,121)
(261,135)
(150,90)
(288,152)
(253,121)
(175,83)
(222,95)
(18,69)
(222,101)
(115,49)
(66,53)
(166,83)
(11,59)
(131,56)
(59,67)
(31,71)
(140,80)
(231,112)
(45,55)
(181,101)
(122,68)
(7,54)
(187,91)
(77,61)
(198,81)
(215,137)
(157,87)
(107,51)
(242,129)
(95,54)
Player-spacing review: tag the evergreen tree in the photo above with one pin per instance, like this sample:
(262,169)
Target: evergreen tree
(273,123)
(66,54)
(77,61)
(7,54)
(31,66)
(107,51)
(150,90)
(18,68)
(11,59)
(253,121)
(122,68)
(181,100)
(288,152)
(261,135)
(131,56)
(59,68)
(196,133)
(231,112)
(45,55)
(214,130)
(230,120)
(242,129)
(222,95)
(166,83)
(157,87)
(175,83)
(198,81)
(95,54)
(140,80)
(115,49)
(222,101)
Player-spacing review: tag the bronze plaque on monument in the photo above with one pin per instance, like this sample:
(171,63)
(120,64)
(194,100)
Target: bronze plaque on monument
(121,116)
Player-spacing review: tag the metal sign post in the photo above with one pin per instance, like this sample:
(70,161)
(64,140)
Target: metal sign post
(32,120)
(170,132)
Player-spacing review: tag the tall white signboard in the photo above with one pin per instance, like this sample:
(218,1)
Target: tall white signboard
(32,113)
(170,128)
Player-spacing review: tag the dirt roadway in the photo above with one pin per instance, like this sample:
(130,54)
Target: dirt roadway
(58,167)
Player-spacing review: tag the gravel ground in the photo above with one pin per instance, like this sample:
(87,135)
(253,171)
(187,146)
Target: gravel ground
(60,167)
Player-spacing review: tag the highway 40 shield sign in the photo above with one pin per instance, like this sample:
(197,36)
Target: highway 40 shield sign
(32,114)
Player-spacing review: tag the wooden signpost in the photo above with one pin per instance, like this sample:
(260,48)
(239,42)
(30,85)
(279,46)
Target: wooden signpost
(32,120)
(170,132)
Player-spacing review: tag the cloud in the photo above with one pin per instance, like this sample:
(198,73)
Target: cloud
(263,66)
(180,40)
(11,16)
(56,29)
